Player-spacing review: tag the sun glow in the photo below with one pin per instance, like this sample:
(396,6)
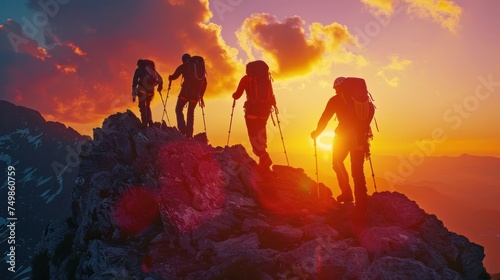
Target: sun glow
(325,140)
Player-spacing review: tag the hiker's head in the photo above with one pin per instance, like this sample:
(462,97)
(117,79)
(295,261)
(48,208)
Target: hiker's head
(336,84)
(185,57)
(139,62)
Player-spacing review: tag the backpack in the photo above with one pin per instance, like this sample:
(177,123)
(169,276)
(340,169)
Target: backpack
(261,88)
(195,73)
(358,98)
(361,109)
(258,68)
(150,77)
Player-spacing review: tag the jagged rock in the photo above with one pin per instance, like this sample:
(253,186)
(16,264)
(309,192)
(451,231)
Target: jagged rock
(54,248)
(191,184)
(396,242)
(285,234)
(397,210)
(319,230)
(433,232)
(325,259)
(149,203)
(255,225)
(470,258)
(398,268)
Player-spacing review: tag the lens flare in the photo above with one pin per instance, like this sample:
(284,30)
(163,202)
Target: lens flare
(325,140)
(136,210)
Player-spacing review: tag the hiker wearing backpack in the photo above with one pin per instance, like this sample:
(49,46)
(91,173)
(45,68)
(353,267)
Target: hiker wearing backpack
(259,101)
(354,108)
(193,88)
(146,78)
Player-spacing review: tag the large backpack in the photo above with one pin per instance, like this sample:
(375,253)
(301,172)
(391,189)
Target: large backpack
(358,98)
(150,77)
(361,109)
(261,88)
(195,73)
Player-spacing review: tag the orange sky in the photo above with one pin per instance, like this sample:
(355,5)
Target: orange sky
(431,66)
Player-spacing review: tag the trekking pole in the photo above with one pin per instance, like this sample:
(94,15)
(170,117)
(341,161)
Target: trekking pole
(281,134)
(316,159)
(373,174)
(231,122)
(203,114)
(164,110)
(165,106)
(166,100)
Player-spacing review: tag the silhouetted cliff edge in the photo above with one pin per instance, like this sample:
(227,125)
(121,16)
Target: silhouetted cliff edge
(150,204)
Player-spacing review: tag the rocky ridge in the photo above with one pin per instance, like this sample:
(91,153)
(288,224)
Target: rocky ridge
(150,204)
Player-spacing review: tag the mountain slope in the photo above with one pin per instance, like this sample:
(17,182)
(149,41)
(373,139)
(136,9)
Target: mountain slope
(150,203)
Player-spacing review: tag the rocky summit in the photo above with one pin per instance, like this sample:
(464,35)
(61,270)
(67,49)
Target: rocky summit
(150,204)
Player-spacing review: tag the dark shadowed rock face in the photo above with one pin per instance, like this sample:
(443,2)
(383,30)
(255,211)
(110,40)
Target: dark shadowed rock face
(150,204)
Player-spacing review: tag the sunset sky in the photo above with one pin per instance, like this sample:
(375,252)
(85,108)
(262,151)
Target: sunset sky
(432,66)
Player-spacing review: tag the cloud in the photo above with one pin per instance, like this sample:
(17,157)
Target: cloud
(380,6)
(80,67)
(396,65)
(292,50)
(15,40)
(447,13)
(283,42)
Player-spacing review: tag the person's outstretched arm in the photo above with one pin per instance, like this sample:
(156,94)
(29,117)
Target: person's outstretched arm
(241,87)
(135,79)
(325,118)
(177,73)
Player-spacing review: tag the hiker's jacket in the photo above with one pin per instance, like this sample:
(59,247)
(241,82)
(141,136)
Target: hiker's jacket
(189,92)
(260,97)
(139,82)
(349,124)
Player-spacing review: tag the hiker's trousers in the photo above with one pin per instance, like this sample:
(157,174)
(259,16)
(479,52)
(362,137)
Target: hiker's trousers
(145,109)
(186,126)
(343,146)
(256,127)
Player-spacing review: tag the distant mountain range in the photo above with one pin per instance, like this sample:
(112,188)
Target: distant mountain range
(45,157)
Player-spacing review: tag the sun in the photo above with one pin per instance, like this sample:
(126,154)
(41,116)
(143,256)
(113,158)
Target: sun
(325,140)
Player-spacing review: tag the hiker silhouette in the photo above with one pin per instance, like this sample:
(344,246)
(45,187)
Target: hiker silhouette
(145,79)
(193,88)
(355,111)
(260,99)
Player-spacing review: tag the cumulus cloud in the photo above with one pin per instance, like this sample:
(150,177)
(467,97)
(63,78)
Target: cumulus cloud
(388,72)
(294,51)
(447,13)
(81,70)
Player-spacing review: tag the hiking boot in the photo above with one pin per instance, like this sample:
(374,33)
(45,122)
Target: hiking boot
(265,160)
(264,170)
(344,198)
(265,163)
